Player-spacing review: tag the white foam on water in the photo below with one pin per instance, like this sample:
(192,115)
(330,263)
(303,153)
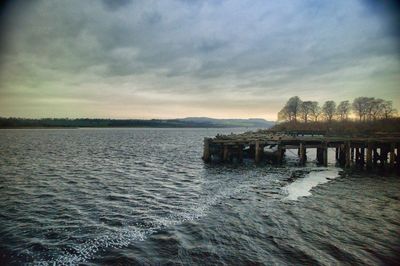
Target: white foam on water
(129,234)
(302,187)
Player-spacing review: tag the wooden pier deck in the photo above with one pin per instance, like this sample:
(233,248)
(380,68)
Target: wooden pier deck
(266,146)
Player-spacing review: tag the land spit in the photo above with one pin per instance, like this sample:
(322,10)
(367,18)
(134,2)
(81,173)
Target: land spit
(378,149)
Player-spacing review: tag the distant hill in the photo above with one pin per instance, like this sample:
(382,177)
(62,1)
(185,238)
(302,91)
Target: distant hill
(251,122)
(160,123)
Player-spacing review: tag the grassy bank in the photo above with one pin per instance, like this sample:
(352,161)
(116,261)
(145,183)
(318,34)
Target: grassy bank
(348,127)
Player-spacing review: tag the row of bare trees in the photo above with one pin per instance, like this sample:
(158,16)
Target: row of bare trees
(364,108)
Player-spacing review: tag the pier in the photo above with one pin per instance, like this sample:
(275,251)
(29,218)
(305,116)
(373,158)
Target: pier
(378,150)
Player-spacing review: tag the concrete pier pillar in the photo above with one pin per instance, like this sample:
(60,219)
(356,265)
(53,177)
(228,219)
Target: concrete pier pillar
(325,156)
(206,150)
(352,154)
(337,153)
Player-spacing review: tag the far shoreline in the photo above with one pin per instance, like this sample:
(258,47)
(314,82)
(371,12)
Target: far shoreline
(189,122)
(146,127)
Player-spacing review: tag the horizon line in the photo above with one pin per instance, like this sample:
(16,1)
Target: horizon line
(102,118)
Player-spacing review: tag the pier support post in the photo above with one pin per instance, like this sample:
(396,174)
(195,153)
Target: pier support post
(252,151)
(240,153)
(352,154)
(384,156)
(325,155)
(358,157)
(362,157)
(347,155)
(369,155)
(302,151)
(375,156)
(337,153)
(320,156)
(280,153)
(392,156)
(257,155)
(206,151)
(226,153)
(342,155)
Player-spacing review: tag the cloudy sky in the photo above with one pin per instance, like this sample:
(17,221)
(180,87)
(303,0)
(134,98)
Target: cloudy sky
(167,59)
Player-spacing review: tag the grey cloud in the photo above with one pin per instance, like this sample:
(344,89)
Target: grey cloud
(192,48)
(115,4)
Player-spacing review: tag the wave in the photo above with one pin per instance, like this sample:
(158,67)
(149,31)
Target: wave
(125,236)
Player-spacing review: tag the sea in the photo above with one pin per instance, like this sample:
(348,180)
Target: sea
(143,196)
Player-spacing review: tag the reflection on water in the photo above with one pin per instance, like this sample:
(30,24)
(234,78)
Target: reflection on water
(131,196)
(303,186)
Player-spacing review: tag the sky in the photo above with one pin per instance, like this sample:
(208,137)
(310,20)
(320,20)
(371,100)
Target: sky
(182,58)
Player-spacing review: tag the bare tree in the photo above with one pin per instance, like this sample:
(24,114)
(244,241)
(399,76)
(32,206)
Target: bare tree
(366,108)
(343,110)
(291,110)
(306,110)
(294,105)
(375,108)
(315,111)
(360,107)
(388,110)
(284,114)
(329,110)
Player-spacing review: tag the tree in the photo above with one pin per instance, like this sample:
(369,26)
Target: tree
(329,110)
(388,110)
(284,114)
(315,111)
(375,108)
(306,109)
(360,107)
(291,110)
(366,108)
(343,110)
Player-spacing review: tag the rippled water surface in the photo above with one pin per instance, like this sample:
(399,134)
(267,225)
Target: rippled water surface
(143,196)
